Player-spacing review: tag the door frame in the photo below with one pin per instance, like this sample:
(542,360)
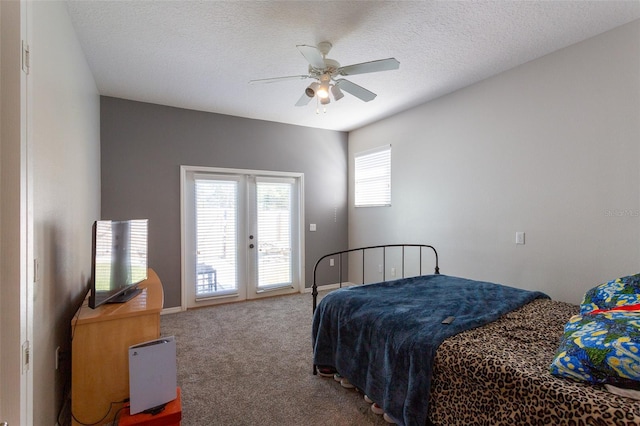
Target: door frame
(185,169)
(16,224)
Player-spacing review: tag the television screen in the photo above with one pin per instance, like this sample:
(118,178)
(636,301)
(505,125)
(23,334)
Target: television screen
(119,260)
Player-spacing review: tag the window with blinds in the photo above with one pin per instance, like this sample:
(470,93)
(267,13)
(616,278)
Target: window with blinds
(373,177)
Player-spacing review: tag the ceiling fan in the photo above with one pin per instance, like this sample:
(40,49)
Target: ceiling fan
(326,73)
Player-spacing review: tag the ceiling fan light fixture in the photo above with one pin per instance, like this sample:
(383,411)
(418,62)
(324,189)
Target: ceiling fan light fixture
(323,91)
(312,89)
(325,101)
(336,92)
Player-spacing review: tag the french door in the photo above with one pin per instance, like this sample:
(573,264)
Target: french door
(241,234)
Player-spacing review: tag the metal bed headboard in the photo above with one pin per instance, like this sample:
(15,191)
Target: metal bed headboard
(314,291)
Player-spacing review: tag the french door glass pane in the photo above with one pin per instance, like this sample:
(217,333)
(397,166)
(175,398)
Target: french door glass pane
(274,233)
(216,236)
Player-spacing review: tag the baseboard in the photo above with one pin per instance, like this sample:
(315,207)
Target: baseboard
(177,309)
(328,287)
(173,310)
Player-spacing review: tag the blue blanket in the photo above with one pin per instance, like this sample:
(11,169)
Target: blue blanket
(383,337)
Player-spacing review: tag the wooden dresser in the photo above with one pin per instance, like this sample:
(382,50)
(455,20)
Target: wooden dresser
(100,342)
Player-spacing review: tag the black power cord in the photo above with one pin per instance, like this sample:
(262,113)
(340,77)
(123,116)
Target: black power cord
(115,418)
(105,416)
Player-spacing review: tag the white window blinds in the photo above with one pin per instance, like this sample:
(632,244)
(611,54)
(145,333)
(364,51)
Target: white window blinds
(373,177)
(216,211)
(274,211)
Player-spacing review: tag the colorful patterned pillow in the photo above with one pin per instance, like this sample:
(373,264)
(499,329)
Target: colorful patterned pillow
(618,292)
(601,348)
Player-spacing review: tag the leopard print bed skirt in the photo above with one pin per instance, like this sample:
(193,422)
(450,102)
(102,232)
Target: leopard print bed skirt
(498,374)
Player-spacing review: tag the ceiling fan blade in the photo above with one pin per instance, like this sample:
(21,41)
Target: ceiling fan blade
(276,79)
(357,91)
(304,100)
(312,55)
(373,66)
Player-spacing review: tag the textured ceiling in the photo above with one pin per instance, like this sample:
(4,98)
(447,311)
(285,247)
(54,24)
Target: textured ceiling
(201,54)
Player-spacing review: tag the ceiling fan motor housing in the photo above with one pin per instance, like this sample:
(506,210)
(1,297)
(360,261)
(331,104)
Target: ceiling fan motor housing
(330,67)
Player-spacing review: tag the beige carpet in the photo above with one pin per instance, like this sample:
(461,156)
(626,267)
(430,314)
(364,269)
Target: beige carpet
(250,363)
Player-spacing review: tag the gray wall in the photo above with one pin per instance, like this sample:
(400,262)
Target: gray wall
(550,148)
(143,146)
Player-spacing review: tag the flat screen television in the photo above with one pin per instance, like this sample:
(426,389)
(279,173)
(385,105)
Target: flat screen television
(118,261)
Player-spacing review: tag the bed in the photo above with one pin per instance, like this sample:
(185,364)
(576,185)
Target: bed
(490,365)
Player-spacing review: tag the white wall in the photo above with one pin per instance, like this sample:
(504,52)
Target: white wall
(550,148)
(64,138)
